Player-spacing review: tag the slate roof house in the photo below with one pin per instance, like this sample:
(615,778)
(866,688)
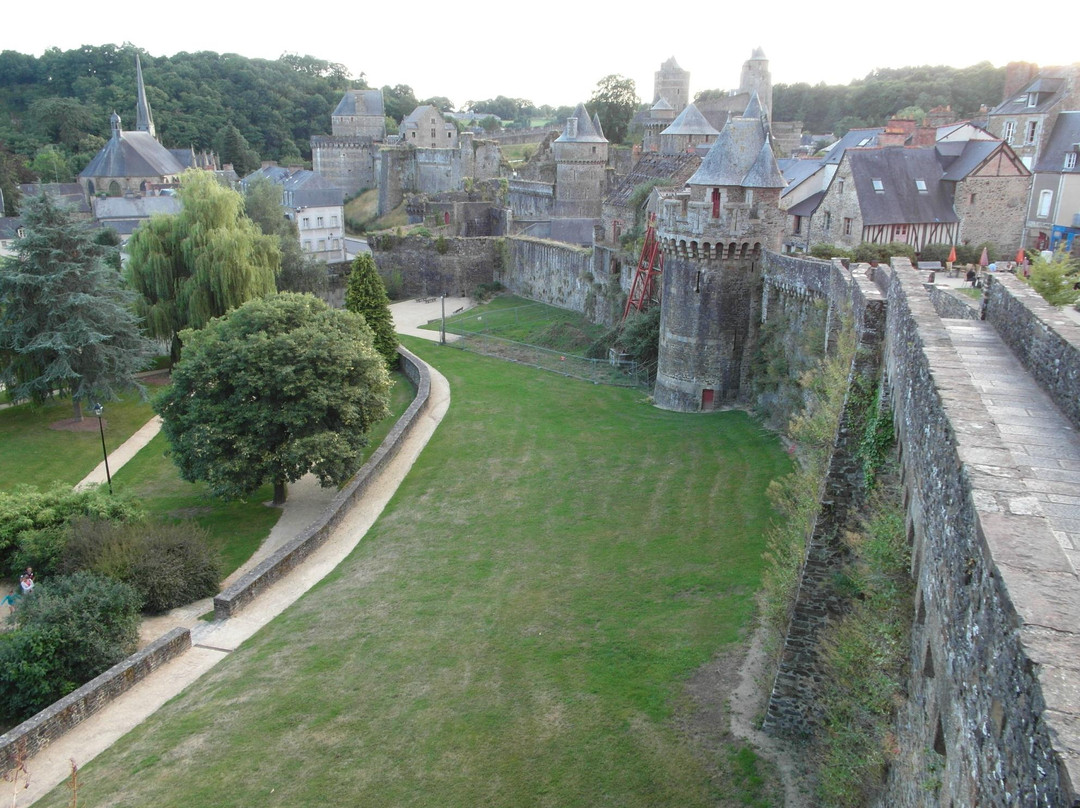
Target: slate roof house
(967,188)
(1053,215)
(314,203)
(425,127)
(1026,118)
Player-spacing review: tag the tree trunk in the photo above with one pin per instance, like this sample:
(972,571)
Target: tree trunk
(77,405)
(279,492)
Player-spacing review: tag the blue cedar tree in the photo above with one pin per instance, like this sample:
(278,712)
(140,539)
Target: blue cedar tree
(67,324)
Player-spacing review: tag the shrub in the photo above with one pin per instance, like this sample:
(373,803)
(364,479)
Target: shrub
(883,253)
(442,246)
(26,511)
(71,629)
(938,252)
(176,567)
(168,564)
(827,251)
(1055,279)
(486,291)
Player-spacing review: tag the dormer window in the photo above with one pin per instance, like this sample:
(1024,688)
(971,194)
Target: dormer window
(879,186)
(1032,99)
(1070,160)
(21,232)
(920,185)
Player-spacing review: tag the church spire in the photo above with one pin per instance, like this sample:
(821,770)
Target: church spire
(144,121)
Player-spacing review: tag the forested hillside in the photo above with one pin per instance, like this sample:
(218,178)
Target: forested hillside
(873,100)
(243,108)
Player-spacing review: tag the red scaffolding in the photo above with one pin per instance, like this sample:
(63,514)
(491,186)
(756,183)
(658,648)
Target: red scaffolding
(650,264)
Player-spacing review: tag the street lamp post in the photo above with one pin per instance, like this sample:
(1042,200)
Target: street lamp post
(99,411)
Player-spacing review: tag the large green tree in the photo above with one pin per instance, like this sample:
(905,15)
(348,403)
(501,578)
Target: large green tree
(365,294)
(615,101)
(278,388)
(66,320)
(201,262)
(71,629)
(299,271)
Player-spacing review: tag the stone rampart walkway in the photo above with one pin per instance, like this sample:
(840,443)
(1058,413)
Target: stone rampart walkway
(1044,445)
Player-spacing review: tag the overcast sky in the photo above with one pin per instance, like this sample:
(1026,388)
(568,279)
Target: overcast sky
(555,52)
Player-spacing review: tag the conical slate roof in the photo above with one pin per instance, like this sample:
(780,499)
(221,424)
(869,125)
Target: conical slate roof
(661,104)
(764,173)
(690,122)
(753,107)
(596,123)
(586,132)
(758,53)
(741,157)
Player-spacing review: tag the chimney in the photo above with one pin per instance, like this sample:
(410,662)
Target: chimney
(924,136)
(1018,75)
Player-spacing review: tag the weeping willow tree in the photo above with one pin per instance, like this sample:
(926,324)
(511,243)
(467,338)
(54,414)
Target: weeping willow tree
(200,263)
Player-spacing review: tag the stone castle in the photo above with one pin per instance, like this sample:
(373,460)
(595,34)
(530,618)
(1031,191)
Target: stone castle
(991,715)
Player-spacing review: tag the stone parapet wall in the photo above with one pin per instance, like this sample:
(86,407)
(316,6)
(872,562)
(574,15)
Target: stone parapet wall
(1045,341)
(948,303)
(991,716)
(288,557)
(37,732)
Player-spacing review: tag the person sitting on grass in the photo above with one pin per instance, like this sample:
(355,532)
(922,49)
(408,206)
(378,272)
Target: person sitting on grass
(26,584)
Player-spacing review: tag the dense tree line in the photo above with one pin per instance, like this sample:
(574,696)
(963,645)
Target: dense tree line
(871,101)
(64,99)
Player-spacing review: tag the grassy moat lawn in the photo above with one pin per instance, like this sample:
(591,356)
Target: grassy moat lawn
(518,628)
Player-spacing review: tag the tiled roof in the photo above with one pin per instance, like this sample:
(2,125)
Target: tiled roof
(132,154)
(855,138)
(900,201)
(671,169)
(361,102)
(1065,137)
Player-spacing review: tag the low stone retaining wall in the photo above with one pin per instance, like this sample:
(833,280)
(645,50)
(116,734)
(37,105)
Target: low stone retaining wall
(37,732)
(950,305)
(288,557)
(1042,338)
(34,734)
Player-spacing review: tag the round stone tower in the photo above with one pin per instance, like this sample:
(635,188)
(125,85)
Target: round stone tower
(673,83)
(581,155)
(714,234)
(757,79)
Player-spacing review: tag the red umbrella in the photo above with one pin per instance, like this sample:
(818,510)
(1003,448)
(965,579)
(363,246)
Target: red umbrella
(984,259)
(952,255)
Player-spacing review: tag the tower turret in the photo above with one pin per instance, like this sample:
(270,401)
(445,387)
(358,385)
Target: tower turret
(713,234)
